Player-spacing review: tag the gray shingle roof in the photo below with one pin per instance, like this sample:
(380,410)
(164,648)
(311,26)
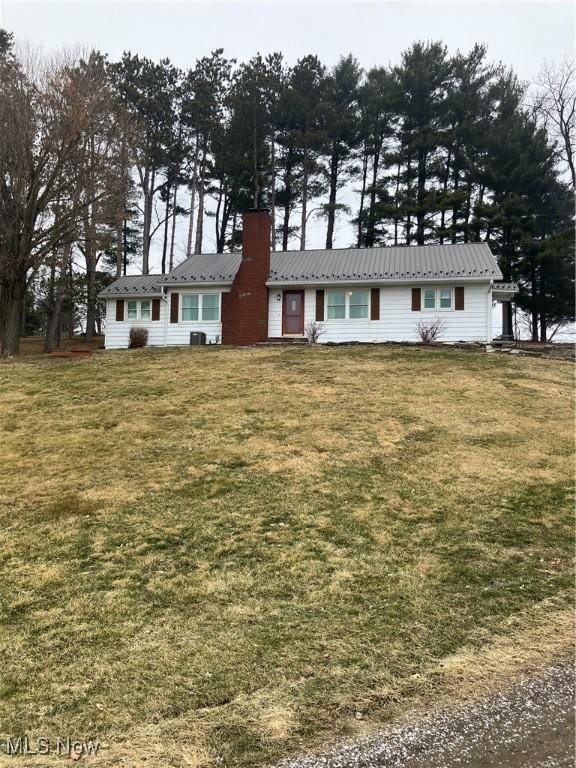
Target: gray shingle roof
(133,285)
(205,268)
(405,263)
(431,262)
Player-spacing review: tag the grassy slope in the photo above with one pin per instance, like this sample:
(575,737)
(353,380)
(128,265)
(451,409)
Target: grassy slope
(233,552)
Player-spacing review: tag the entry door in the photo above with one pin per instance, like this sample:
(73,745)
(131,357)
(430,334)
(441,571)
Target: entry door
(293,313)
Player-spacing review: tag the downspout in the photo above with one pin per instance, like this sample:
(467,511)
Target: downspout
(164,296)
(489,313)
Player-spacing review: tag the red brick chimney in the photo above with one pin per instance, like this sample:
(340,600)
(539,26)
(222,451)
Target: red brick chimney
(245,308)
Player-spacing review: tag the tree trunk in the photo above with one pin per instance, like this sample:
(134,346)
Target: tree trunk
(359,238)
(467,211)
(304,219)
(217,223)
(408,193)
(90,291)
(125,240)
(166,226)
(455,206)
(52,339)
(200,219)
(288,192)
(534,293)
(146,224)
(173,231)
(478,224)
(119,248)
(273,197)
(396,197)
(543,319)
(421,193)
(334,162)
(70,281)
(13,296)
(50,335)
(444,195)
(192,202)
(370,230)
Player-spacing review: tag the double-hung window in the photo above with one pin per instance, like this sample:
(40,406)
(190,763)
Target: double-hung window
(347,305)
(438,298)
(139,310)
(200,306)
(190,307)
(145,310)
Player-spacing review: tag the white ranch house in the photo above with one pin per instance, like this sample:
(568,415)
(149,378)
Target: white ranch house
(364,295)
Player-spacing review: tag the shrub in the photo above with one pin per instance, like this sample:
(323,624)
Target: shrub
(430,330)
(313,331)
(138,337)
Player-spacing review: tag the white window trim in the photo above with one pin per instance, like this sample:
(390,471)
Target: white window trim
(138,317)
(200,308)
(347,318)
(437,307)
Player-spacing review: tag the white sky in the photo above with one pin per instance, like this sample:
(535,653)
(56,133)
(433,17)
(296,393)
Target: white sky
(520,34)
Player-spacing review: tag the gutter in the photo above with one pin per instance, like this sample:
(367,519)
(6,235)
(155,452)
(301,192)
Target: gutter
(164,298)
(195,284)
(382,281)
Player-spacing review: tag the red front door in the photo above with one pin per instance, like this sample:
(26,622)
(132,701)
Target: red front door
(293,313)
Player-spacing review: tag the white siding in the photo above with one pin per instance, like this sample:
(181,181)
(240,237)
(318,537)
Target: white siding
(160,332)
(117,333)
(397,320)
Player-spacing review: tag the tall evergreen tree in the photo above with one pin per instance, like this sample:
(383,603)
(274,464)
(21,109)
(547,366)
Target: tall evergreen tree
(341,125)
(147,90)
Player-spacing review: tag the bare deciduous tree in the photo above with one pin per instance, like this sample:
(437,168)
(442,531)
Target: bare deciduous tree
(51,112)
(555,105)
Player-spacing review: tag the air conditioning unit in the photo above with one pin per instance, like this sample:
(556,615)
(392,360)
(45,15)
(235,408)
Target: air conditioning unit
(197,337)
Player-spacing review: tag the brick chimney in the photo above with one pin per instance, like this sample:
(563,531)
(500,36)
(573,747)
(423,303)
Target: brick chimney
(245,308)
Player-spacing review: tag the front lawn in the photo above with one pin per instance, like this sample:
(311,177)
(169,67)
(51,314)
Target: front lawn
(222,556)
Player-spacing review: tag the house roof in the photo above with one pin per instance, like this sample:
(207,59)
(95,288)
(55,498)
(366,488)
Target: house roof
(429,262)
(205,268)
(133,285)
(466,261)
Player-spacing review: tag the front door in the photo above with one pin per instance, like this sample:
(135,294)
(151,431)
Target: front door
(293,313)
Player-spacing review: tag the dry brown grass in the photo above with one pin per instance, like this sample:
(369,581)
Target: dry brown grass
(230,552)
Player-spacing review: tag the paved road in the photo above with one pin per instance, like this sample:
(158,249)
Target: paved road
(530,725)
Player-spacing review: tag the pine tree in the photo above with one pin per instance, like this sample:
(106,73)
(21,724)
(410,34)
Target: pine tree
(341,125)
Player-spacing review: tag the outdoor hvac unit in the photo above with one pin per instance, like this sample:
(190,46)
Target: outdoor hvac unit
(197,337)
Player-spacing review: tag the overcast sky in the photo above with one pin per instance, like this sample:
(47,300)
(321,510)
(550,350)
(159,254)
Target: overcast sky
(520,34)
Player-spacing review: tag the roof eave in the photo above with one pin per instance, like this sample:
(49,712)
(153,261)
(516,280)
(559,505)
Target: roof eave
(385,281)
(196,283)
(121,295)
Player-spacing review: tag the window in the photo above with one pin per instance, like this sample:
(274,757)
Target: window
(347,305)
(430,298)
(190,307)
(200,306)
(139,310)
(445,298)
(210,306)
(145,310)
(336,305)
(359,305)
(438,298)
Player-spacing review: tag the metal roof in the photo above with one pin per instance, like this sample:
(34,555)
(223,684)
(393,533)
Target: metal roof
(430,262)
(133,285)
(205,268)
(398,263)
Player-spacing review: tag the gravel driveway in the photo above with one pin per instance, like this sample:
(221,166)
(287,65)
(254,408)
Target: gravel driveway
(529,725)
